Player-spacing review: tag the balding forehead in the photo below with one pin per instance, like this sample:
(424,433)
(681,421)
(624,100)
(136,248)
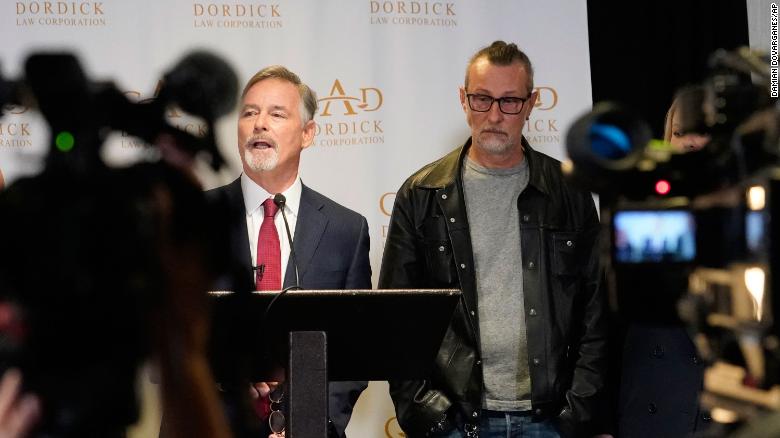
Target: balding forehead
(482,66)
(483,62)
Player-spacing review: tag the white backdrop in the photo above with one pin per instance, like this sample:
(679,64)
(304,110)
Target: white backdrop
(386,72)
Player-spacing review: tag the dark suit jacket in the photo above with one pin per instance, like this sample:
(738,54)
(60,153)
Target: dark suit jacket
(660,385)
(331,246)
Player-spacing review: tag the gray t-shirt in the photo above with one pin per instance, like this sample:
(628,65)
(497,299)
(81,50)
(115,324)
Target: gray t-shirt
(491,204)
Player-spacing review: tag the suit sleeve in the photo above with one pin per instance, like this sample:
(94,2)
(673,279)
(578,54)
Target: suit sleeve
(359,275)
(342,396)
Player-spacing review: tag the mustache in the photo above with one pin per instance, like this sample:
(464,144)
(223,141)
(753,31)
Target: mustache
(256,138)
(493,131)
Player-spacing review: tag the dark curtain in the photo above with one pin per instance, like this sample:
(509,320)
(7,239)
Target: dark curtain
(642,51)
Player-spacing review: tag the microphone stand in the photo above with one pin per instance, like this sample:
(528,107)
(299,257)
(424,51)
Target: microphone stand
(280,201)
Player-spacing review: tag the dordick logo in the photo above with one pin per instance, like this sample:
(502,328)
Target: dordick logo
(368,99)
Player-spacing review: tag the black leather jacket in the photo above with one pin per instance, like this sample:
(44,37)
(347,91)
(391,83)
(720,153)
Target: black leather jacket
(428,245)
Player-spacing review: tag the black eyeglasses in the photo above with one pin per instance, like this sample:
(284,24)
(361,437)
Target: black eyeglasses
(276,420)
(508,105)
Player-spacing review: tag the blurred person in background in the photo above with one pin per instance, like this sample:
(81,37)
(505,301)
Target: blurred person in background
(661,372)
(680,133)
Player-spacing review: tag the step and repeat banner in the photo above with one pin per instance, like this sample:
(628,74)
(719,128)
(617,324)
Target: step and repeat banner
(386,74)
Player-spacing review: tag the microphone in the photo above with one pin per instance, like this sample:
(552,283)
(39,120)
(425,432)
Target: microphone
(280,200)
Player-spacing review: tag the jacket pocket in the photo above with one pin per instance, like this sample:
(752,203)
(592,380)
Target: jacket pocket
(324,278)
(564,261)
(439,262)
(429,413)
(459,370)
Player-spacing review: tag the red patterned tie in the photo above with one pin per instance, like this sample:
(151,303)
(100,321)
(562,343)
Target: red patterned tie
(269,254)
(269,274)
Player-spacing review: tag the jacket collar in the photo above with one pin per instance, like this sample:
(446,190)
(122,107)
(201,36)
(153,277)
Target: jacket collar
(449,169)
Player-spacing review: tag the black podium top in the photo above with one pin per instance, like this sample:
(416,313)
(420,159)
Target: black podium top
(371,334)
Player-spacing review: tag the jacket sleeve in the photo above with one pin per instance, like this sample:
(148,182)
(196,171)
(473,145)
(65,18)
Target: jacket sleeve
(586,397)
(419,408)
(342,396)
(402,262)
(359,274)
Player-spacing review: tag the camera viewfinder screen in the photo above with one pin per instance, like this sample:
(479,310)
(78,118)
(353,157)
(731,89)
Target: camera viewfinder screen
(755,232)
(654,236)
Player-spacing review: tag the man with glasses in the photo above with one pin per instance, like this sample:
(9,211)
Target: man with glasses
(524,354)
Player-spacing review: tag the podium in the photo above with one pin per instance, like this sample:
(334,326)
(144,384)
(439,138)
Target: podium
(315,336)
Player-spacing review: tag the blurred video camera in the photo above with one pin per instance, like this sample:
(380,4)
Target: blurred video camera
(98,262)
(690,232)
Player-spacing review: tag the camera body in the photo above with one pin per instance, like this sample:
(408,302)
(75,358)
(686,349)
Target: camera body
(102,268)
(689,234)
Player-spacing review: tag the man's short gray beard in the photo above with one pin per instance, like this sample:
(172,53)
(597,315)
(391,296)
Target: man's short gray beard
(260,163)
(494,148)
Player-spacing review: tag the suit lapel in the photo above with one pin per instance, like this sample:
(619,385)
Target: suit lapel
(242,257)
(309,228)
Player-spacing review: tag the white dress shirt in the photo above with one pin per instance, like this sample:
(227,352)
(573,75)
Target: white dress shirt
(254,196)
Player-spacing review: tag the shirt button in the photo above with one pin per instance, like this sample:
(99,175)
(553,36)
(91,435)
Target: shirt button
(696,360)
(444,196)
(526,217)
(531,265)
(479,362)
(658,352)
(537,361)
(569,243)
(462,266)
(652,408)
(452,219)
(706,417)
(441,249)
(472,313)
(532,312)
(475,414)
(538,411)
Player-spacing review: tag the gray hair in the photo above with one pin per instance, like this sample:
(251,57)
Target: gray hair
(308,96)
(501,53)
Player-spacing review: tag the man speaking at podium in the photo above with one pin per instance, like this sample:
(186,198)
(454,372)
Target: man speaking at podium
(331,242)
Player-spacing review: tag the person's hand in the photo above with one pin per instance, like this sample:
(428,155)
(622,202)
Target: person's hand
(261,389)
(17,414)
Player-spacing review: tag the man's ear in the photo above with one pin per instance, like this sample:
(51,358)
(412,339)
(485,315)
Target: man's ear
(463,98)
(308,134)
